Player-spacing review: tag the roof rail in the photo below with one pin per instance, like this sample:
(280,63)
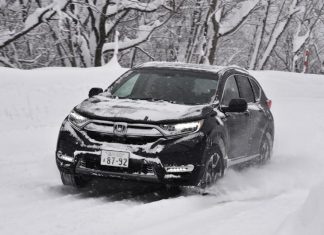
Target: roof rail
(226,68)
(211,68)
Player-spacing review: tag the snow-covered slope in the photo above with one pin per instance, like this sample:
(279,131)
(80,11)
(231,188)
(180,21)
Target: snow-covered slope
(273,199)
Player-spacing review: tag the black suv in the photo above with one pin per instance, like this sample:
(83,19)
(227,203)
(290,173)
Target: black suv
(170,123)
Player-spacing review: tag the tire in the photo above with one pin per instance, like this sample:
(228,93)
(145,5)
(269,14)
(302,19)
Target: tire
(214,169)
(266,148)
(73,180)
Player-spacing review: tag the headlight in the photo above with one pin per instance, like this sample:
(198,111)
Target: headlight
(77,120)
(182,128)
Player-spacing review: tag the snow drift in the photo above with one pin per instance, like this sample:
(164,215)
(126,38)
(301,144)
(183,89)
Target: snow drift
(309,218)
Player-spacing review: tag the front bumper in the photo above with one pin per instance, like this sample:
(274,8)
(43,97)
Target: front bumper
(170,161)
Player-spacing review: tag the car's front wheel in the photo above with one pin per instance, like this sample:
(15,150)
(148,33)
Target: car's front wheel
(213,170)
(73,180)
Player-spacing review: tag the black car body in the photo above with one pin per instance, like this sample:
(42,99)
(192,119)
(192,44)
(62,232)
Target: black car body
(175,137)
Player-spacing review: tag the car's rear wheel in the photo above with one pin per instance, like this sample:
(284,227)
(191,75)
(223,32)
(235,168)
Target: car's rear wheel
(266,148)
(73,180)
(213,170)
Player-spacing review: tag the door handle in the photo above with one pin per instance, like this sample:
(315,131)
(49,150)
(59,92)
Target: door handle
(247,113)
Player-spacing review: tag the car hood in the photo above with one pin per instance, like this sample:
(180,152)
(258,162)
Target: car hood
(114,109)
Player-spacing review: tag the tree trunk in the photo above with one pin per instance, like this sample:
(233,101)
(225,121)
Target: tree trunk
(102,36)
(278,29)
(260,36)
(212,34)
(194,31)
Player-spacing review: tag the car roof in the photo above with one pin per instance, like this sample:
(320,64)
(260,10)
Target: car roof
(196,67)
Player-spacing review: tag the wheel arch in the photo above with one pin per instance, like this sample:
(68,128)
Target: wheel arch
(218,138)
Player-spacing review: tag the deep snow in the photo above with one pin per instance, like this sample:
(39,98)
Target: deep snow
(283,197)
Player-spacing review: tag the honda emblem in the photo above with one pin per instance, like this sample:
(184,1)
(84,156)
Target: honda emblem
(120,129)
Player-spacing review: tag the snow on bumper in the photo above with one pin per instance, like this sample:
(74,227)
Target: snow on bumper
(176,161)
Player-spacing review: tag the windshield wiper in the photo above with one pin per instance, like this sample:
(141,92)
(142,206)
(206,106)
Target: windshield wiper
(117,97)
(151,99)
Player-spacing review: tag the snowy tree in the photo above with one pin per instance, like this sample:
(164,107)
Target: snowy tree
(17,20)
(209,24)
(306,22)
(83,31)
(281,23)
(260,33)
(255,34)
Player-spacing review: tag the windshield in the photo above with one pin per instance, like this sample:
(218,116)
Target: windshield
(176,86)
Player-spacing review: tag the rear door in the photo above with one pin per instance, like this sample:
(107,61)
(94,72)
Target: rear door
(259,115)
(236,124)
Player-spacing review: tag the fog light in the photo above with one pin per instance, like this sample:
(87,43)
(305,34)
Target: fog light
(64,157)
(179,169)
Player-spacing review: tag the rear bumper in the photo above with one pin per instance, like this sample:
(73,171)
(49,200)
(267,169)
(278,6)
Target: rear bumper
(177,161)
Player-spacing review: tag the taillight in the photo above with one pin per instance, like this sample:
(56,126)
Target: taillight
(269,103)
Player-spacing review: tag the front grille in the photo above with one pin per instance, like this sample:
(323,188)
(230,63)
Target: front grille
(141,140)
(131,129)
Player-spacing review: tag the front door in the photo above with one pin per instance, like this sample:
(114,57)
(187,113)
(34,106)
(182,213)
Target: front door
(237,124)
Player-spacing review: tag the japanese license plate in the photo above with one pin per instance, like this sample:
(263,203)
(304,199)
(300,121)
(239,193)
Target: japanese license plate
(114,158)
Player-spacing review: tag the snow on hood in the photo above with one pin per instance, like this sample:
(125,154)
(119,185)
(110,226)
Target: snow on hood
(103,107)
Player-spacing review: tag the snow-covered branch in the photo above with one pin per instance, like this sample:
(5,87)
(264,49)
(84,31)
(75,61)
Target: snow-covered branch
(220,24)
(237,17)
(6,62)
(123,5)
(301,39)
(278,30)
(39,16)
(144,32)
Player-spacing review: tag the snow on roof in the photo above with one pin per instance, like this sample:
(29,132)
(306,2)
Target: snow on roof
(187,66)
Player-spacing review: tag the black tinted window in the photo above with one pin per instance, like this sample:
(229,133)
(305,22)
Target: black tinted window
(176,86)
(256,90)
(230,91)
(245,88)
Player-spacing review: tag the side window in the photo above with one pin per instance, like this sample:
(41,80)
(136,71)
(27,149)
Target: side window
(230,91)
(256,90)
(245,88)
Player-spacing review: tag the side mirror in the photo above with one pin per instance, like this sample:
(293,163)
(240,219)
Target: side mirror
(236,106)
(95,91)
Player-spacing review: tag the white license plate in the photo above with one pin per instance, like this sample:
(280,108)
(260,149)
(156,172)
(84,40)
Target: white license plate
(114,158)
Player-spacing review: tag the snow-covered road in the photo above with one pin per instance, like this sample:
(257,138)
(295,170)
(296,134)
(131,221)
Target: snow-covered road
(266,200)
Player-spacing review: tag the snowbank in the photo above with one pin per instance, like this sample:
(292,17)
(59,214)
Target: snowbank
(43,97)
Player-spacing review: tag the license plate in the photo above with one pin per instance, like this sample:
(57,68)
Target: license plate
(114,158)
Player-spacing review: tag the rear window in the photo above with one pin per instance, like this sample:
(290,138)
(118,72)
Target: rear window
(245,88)
(256,90)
